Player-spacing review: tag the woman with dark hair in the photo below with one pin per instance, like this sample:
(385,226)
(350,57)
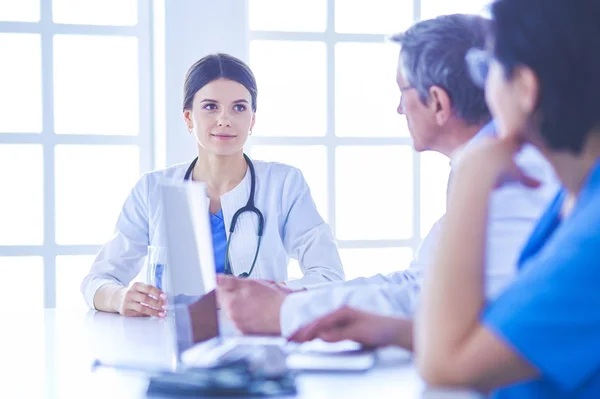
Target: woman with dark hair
(262,213)
(541,337)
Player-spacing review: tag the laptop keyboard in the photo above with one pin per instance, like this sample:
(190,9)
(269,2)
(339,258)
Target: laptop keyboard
(266,359)
(239,352)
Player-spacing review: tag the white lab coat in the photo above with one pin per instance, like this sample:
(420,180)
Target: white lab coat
(293,229)
(513,213)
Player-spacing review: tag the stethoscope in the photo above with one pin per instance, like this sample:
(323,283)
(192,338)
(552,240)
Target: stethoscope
(249,207)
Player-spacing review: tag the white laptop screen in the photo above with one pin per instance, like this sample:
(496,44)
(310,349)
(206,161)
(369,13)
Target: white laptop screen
(191,265)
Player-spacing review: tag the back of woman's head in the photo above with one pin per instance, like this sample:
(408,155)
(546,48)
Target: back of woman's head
(560,41)
(213,67)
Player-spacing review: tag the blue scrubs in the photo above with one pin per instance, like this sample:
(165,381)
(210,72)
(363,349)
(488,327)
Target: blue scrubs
(219,237)
(551,314)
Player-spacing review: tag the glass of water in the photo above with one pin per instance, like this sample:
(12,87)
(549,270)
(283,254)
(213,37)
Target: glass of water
(156,268)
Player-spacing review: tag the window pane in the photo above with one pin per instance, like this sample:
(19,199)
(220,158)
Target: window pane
(366,94)
(70,271)
(21,83)
(374,192)
(288,16)
(434,8)
(22,201)
(95,12)
(92,183)
(21,273)
(20,11)
(374,16)
(311,160)
(435,169)
(292,84)
(367,262)
(96,85)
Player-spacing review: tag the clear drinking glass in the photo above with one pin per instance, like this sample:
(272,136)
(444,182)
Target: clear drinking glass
(156,268)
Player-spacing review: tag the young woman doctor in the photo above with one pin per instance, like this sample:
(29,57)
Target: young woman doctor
(261,213)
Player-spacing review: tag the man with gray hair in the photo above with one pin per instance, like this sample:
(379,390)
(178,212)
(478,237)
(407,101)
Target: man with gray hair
(445,111)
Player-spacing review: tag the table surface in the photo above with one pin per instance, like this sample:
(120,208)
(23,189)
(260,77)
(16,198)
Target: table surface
(49,354)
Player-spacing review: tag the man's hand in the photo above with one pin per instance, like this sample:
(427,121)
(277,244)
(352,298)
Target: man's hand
(368,329)
(281,287)
(252,305)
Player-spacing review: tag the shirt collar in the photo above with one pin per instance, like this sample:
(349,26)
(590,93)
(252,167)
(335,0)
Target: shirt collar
(489,130)
(546,225)
(550,221)
(589,191)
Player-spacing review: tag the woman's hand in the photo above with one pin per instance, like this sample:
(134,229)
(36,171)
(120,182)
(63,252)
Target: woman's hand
(492,161)
(141,300)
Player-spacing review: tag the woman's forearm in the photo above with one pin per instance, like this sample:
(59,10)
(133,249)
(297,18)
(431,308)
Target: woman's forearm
(108,298)
(454,291)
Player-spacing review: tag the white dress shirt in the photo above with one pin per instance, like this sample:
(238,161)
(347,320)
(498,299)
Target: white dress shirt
(293,229)
(513,212)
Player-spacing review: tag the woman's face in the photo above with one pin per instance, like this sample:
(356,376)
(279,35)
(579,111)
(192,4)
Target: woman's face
(512,101)
(221,117)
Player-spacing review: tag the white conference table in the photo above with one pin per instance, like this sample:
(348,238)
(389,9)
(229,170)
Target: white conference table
(49,354)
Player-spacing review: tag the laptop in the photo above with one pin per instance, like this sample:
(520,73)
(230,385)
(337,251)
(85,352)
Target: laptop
(193,314)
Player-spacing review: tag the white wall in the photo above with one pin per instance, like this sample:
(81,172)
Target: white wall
(193,29)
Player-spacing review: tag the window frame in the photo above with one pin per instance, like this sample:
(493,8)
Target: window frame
(47,28)
(330,141)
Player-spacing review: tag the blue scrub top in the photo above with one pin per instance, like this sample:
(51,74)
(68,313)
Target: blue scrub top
(219,237)
(551,314)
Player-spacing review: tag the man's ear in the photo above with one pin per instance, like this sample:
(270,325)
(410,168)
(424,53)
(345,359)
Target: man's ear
(440,104)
